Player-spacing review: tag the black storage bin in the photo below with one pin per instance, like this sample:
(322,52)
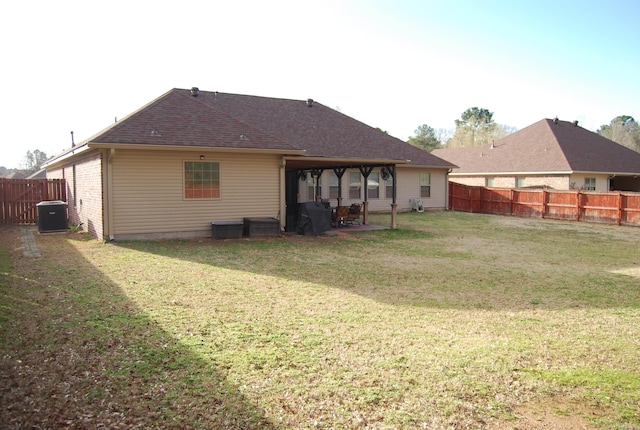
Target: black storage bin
(52,216)
(227,229)
(261,227)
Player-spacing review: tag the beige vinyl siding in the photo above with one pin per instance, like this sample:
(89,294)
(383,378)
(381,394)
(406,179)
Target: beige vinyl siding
(408,187)
(148,192)
(577,181)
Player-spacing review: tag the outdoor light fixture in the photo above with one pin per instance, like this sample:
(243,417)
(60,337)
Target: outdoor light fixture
(202,157)
(384,172)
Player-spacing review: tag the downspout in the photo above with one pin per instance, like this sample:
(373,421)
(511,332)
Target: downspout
(447,206)
(283,194)
(109,192)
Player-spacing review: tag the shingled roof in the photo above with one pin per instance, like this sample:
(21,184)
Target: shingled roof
(547,146)
(194,118)
(177,119)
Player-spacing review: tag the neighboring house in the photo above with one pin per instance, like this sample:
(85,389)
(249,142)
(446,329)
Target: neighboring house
(38,174)
(549,153)
(17,174)
(192,157)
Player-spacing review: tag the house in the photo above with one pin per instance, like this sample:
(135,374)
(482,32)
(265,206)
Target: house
(192,157)
(38,174)
(549,153)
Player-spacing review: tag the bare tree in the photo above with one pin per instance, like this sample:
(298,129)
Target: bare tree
(624,130)
(33,161)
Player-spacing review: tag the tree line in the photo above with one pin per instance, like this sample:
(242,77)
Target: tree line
(31,163)
(476,127)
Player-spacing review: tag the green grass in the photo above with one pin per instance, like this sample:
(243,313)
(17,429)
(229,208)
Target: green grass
(453,320)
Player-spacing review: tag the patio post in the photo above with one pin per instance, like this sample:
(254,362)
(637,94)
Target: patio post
(365,211)
(394,215)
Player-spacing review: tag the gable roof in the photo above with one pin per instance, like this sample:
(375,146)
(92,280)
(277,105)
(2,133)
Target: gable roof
(185,118)
(547,146)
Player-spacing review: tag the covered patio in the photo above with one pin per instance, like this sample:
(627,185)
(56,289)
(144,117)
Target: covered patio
(302,168)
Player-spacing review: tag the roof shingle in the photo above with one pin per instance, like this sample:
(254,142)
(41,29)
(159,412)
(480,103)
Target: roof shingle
(222,120)
(547,146)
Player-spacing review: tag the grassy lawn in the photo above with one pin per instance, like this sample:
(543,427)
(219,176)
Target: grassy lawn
(452,321)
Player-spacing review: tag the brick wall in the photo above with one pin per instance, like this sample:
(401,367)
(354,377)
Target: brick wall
(560,182)
(84,192)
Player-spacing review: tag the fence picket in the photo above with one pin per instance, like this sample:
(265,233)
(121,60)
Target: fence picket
(617,207)
(19,197)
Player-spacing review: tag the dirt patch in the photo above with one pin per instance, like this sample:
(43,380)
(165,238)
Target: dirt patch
(561,413)
(614,232)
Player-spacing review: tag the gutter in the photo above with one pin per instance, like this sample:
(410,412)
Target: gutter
(332,161)
(65,155)
(143,146)
(568,172)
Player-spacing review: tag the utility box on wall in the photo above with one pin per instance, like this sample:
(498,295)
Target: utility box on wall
(52,216)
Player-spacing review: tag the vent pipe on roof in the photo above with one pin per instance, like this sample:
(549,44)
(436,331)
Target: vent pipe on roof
(575,123)
(72,142)
(309,102)
(195,91)
(555,120)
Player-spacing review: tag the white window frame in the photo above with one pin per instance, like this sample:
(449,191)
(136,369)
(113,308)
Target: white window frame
(201,177)
(373,191)
(388,187)
(588,186)
(334,185)
(425,185)
(353,189)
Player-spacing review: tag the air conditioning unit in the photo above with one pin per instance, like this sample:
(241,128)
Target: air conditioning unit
(416,205)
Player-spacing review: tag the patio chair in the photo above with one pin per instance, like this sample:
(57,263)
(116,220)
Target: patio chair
(354,214)
(340,216)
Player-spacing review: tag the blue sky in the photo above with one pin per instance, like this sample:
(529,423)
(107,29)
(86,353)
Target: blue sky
(78,65)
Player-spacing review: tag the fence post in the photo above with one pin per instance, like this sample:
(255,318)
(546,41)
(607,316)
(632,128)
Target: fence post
(578,205)
(511,201)
(620,210)
(3,201)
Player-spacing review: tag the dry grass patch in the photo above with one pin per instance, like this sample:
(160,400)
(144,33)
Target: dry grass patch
(453,321)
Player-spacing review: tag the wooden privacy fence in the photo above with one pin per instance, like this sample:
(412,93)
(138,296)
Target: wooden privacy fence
(19,197)
(617,207)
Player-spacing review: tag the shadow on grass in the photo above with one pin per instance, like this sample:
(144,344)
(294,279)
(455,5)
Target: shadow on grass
(76,353)
(444,267)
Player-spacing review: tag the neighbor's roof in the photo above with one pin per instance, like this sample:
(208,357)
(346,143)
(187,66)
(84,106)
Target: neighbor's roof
(221,120)
(547,146)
